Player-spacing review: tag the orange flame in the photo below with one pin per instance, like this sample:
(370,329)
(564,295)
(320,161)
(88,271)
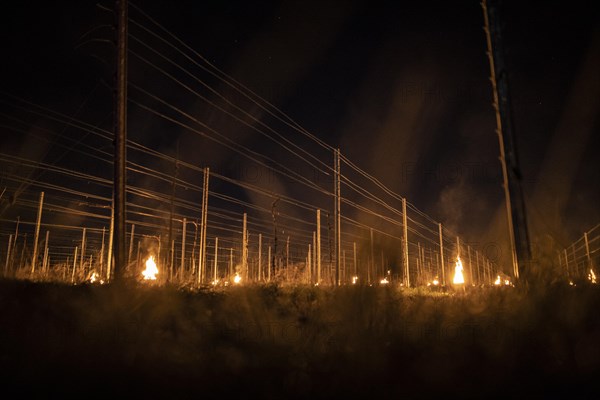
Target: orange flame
(151,270)
(458,273)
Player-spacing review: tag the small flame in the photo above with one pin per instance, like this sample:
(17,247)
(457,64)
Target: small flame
(497,281)
(237,278)
(592,276)
(435,282)
(215,282)
(96,278)
(458,273)
(354,280)
(151,270)
(384,281)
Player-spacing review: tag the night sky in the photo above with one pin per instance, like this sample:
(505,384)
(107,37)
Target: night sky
(401,88)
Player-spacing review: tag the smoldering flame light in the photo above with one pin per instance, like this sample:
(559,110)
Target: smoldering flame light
(151,270)
(458,273)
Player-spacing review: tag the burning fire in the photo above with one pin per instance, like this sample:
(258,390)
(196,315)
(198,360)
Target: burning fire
(354,280)
(499,282)
(96,278)
(458,273)
(237,278)
(151,269)
(384,281)
(592,276)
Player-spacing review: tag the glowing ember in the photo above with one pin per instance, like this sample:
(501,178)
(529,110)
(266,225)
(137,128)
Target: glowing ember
(354,280)
(592,276)
(237,278)
(96,278)
(215,282)
(435,282)
(458,273)
(497,282)
(384,281)
(151,270)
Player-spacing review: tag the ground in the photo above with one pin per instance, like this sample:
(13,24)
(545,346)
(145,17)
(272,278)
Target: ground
(273,342)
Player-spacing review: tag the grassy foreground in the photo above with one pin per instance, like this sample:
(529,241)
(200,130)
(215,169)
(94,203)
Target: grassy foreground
(274,342)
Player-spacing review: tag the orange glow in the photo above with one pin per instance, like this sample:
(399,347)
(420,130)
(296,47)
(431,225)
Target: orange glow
(458,273)
(237,279)
(151,270)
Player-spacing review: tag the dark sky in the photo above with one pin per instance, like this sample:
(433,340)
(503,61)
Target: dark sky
(400,87)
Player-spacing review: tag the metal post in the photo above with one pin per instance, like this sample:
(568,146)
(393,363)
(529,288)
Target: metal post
(405,238)
(82,255)
(10,238)
(216,260)
(130,245)
(338,241)
(442,253)
(110,244)
(74,265)
(182,267)
(244,247)
(37,233)
(260,257)
(355,265)
(318,246)
(587,250)
(44,264)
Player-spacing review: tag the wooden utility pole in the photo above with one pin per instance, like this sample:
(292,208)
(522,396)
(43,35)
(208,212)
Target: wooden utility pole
(120,162)
(513,193)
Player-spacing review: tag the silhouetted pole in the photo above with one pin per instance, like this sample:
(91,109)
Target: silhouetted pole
(515,204)
(120,163)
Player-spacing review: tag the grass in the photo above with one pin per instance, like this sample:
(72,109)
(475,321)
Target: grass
(273,342)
